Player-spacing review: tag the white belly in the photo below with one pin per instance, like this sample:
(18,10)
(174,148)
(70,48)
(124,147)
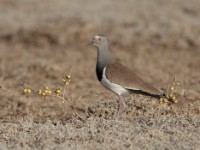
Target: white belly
(117,89)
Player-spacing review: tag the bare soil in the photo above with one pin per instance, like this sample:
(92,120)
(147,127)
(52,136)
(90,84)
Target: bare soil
(41,40)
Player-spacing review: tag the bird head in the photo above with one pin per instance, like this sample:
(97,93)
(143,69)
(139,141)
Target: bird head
(98,40)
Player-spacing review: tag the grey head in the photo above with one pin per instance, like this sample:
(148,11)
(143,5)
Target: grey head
(101,42)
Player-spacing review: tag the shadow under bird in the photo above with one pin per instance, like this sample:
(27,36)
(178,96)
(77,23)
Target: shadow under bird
(116,77)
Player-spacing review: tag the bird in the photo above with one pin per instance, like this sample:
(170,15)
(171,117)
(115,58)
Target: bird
(116,77)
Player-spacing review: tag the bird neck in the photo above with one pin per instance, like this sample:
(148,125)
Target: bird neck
(103,59)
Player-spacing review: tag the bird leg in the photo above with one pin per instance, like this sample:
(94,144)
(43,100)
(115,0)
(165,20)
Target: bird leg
(120,106)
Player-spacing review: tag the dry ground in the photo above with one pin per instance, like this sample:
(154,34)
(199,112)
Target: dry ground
(40,40)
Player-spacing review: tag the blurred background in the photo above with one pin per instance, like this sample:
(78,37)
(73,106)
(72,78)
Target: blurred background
(41,40)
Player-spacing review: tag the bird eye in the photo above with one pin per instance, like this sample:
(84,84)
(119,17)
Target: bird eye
(99,39)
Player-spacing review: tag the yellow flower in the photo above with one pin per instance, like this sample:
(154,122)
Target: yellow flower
(27,91)
(40,92)
(173,98)
(161,100)
(167,96)
(172,88)
(43,94)
(68,76)
(66,81)
(166,100)
(49,92)
(58,92)
(46,91)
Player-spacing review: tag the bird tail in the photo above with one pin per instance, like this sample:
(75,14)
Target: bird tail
(163,95)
